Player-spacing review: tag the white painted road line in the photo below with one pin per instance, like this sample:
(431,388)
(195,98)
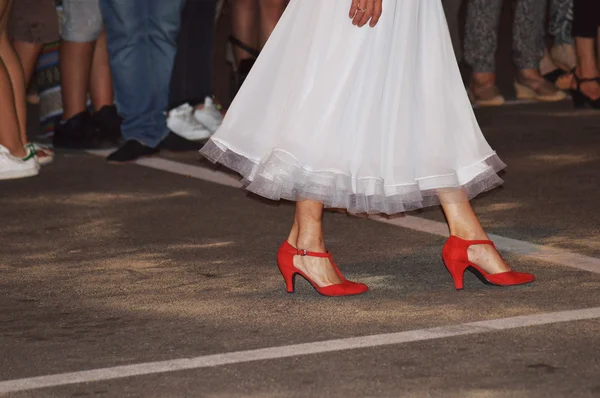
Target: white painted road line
(200,173)
(207,361)
(539,252)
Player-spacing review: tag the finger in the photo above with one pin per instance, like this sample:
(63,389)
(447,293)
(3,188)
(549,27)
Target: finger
(359,12)
(353,8)
(378,8)
(367,15)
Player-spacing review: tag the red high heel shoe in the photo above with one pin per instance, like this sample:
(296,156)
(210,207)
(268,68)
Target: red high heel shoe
(457,261)
(285,262)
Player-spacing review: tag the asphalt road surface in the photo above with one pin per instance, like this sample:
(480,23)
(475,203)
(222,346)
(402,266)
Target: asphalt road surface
(158,279)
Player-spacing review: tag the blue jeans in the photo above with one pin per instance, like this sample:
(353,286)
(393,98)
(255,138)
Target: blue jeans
(141,38)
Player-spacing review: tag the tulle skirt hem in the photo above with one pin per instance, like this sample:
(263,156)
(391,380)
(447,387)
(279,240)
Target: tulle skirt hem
(282,176)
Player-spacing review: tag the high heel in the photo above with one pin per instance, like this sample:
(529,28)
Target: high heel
(456,259)
(285,262)
(580,100)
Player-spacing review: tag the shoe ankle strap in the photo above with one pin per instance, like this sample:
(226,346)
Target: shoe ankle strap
(474,242)
(480,242)
(579,80)
(302,252)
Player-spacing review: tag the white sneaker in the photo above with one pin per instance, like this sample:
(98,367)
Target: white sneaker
(14,167)
(209,116)
(43,154)
(182,122)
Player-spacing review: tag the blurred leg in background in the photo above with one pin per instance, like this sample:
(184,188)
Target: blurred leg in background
(561,27)
(15,160)
(558,62)
(85,70)
(481,36)
(142,36)
(32,24)
(193,114)
(586,22)
(252,24)
(452,9)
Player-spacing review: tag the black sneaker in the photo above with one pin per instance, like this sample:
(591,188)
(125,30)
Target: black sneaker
(79,132)
(108,122)
(130,151)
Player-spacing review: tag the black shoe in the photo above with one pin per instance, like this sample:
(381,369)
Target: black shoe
(580,100)
(130,151)
(553,76)
(176,143)
(79,132)
(108,122)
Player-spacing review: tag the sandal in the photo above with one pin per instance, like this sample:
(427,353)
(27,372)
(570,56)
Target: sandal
(560,78)
(580,99)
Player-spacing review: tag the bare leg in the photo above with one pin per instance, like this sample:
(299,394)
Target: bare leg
(10,136)
(598,49)
(483,91)
(244,26)
(530,73)
(484,79)
(101,89)
(307,234)
(13,133)
(28,54)
(270,12)
(463,223)
(547,65)
(75,71)
(586,57)
(586,66)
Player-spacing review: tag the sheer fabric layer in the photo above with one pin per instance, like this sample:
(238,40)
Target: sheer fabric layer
(281,176)
(368,119)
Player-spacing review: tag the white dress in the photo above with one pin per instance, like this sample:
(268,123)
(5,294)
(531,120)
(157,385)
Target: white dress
(373,120)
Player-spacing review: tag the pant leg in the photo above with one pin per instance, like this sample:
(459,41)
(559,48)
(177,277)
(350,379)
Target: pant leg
(561,21)
(481,34)
(528,33)
(586,18)
(141,38)
(192,75)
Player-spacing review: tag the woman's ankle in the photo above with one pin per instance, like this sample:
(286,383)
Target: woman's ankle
(529,74)
(586,72)
(546,64)
(20,153)
(467,233)
(293,236)
(310,241)
(483,79)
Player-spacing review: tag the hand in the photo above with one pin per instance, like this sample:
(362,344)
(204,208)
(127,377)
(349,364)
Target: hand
(363,11)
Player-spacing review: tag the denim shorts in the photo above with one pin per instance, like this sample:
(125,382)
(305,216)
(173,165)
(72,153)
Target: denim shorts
(81,20)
